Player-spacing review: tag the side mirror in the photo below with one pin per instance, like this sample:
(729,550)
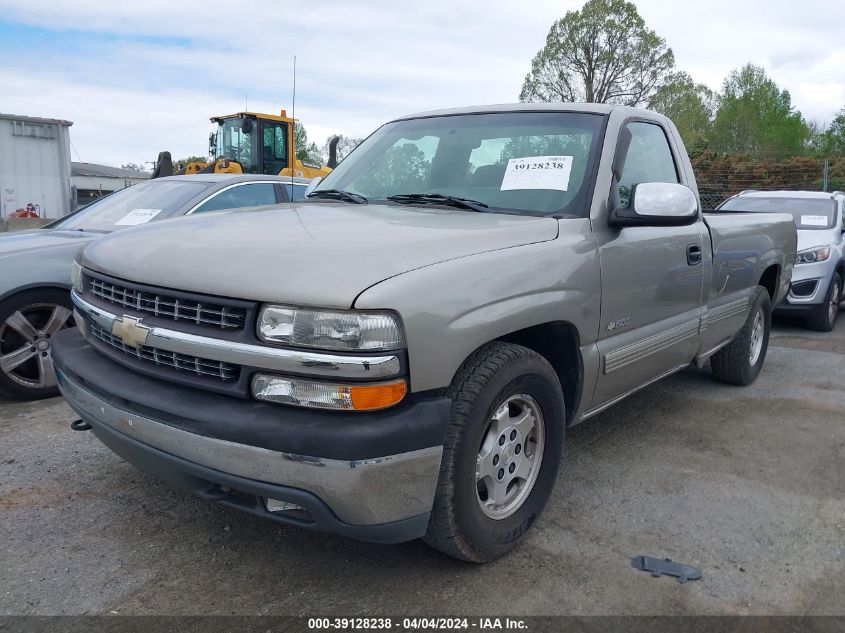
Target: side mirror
(657,204)
(313,185)
(212,145)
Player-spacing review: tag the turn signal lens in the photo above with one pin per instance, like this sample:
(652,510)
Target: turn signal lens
(76,277)
(371,397)
(302,392)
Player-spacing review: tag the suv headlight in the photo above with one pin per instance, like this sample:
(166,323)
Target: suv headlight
(76,277)
(812,255)
(333,330)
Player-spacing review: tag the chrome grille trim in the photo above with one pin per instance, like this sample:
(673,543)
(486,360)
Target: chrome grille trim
(287,361)
(182,362)
(169,306)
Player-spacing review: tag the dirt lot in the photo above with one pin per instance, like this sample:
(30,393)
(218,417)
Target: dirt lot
(747,484)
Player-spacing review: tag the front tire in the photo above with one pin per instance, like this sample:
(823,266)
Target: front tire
(824,316)
(501,452)
(28,321)
(740,362)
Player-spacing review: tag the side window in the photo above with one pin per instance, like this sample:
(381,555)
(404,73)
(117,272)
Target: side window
(251,195)
(274,147)
(295,192)
(649,159)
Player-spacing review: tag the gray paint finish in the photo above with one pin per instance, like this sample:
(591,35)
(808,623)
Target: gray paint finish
(319,254)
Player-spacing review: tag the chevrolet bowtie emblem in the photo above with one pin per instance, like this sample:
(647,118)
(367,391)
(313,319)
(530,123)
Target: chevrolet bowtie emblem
(130,331)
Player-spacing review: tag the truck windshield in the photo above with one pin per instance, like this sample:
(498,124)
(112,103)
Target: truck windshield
(809,213)
(519,162)
(238,145)
(134,205)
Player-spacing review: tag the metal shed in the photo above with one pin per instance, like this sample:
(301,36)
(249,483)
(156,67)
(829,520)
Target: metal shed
(90,181)
(34,165)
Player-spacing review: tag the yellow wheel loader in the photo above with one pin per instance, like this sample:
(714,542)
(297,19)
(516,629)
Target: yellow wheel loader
(251,143)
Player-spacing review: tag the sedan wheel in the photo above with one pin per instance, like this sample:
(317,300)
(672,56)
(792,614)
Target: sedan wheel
(26,332)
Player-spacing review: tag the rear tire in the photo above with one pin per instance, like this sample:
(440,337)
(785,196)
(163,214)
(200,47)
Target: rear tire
(501,452)
(740,362)
(823,318)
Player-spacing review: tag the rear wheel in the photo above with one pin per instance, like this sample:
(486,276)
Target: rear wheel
(740,362)
(28,322)
(823,318)
(501,453)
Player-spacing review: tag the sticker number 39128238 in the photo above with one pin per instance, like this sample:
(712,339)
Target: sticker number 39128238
(537,172)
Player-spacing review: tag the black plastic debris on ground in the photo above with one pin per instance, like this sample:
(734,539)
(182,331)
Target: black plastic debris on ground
(666,567)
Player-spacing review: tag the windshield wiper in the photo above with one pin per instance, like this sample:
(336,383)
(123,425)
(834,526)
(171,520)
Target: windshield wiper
(337,194)
(439,198)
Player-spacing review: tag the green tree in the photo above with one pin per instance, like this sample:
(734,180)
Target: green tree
(830,141)
(345,145)
(756,117)
(691,107)
(306,151)
(603,54)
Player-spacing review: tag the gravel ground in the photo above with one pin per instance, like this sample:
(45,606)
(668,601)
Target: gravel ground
(746,483)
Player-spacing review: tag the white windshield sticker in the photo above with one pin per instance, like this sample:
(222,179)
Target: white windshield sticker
(538,172)
(814,220)
(137,216)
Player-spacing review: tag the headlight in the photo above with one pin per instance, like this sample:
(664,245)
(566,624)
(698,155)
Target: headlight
(304,392)
(330,330)
(812,255)
(76,277)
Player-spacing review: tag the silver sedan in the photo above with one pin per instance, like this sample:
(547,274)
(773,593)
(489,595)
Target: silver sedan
(35,265)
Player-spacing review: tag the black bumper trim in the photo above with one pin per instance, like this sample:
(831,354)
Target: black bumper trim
(417,423)
(247,494)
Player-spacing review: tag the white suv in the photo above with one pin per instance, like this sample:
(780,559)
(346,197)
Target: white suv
(817,280)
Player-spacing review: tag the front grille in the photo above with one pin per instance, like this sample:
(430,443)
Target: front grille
(170,306)
(225,372)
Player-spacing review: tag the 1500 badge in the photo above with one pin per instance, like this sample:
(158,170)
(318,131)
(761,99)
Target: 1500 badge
(615,325)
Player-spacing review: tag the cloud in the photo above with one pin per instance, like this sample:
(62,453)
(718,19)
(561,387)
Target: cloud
(137,78)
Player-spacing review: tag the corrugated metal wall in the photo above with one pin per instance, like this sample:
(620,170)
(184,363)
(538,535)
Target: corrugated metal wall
(34,167)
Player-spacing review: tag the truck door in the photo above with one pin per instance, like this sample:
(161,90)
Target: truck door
(652,280)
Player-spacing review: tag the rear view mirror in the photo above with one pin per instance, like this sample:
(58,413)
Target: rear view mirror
(657,204)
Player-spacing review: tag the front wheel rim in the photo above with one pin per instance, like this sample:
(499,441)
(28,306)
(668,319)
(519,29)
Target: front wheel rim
(510,456)
(758,331)
(26,345)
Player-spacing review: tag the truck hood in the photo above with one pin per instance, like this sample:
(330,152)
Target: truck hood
(318,254)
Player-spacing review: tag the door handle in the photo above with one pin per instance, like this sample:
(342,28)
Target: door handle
(693,254)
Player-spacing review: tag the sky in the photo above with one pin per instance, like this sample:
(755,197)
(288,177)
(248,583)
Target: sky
(137,78)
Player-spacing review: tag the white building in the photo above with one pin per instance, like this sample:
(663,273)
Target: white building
(90,181)
(34,165)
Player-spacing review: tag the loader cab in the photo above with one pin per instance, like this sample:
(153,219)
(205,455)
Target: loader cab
(257,143)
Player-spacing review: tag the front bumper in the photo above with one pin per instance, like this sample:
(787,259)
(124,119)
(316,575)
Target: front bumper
(808,288)
(241,453)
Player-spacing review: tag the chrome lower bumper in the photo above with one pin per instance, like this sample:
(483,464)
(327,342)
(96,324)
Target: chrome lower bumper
(360,492)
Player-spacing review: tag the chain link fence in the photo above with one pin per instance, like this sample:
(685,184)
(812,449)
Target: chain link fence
(720,177)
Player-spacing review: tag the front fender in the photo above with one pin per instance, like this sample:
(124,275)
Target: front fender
(452,308)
